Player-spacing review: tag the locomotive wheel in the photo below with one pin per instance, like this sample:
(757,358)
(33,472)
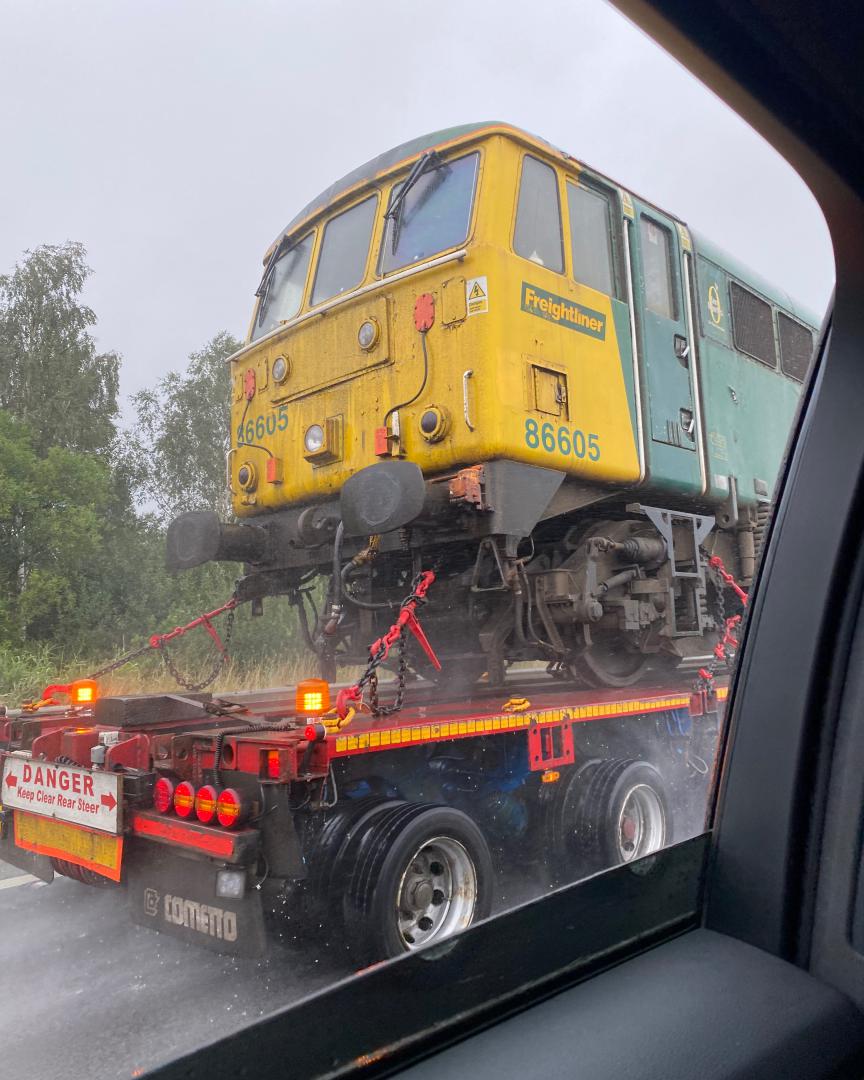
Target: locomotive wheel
(420,874)
(610,812)
(610,662)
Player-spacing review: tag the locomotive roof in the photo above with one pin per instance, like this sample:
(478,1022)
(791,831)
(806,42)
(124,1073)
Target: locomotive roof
(437,139)
(709,250)
(383,162)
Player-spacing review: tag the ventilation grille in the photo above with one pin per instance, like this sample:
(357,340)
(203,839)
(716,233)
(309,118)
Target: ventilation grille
(753,325)
(796,347)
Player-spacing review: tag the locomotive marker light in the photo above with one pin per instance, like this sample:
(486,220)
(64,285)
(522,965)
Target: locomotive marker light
(246,477)
(368,334)
(433,424)
(281,369)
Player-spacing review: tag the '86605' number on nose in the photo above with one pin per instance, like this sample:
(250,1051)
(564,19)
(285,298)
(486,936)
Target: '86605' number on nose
(551,437)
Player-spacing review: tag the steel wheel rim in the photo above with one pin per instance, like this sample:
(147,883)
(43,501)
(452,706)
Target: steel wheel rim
(437,893)
(641,823)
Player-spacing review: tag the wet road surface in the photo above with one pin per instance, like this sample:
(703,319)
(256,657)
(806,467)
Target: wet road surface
(87,994)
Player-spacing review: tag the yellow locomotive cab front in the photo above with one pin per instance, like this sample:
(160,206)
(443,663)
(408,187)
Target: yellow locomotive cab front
(496,375)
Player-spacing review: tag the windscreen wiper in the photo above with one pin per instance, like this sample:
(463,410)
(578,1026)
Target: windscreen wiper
(422,165)
(268,269)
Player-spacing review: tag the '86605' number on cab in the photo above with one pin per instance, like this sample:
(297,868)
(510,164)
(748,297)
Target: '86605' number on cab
(253,431)
(551,437)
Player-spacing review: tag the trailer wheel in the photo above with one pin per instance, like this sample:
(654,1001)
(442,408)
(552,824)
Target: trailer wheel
(81,874)
(326,857)
(420,874)
(610,812)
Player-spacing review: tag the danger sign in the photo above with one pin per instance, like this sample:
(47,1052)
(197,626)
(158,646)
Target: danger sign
(64,792)
(477,295)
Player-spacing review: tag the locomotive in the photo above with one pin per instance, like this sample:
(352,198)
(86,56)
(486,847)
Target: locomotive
(478,356)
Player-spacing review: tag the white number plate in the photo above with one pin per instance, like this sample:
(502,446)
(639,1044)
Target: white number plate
(64,792)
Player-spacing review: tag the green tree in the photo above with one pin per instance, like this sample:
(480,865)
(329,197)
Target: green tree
(54,379)
(175,454)
(53,513)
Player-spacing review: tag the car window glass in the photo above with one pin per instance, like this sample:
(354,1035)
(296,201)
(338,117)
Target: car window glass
(356,598)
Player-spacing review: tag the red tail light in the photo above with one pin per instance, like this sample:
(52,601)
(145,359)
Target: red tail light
(163,795)
(184,799)
(274,765)
(230,808)
(205,804)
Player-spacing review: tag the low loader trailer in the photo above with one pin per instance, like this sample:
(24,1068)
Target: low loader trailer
(216,815)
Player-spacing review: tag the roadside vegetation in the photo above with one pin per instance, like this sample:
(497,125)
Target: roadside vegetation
(85,500)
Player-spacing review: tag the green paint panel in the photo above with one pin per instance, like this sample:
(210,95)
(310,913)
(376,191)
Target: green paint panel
(748,407)
(670,444)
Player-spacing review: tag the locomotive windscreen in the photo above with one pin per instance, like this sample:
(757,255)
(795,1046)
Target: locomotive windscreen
(434,215)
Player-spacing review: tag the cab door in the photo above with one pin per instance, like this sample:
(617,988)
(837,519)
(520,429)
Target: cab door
(667,354)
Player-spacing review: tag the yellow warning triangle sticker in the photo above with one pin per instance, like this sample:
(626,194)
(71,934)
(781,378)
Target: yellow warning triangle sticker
(476,292)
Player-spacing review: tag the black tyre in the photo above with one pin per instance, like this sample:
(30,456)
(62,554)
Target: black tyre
(418,875)
(326,857)
(610,812)
(82,874)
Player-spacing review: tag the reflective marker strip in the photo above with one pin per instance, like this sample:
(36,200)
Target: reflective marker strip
(395,738)
(173,832)
(73,843)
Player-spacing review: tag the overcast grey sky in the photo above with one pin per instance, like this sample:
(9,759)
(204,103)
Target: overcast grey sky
(175,138)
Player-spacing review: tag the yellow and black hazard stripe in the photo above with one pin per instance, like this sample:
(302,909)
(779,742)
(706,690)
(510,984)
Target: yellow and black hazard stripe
(346,744)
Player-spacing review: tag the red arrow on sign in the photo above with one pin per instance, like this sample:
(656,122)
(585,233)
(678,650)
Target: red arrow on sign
(109,801)
(11,780)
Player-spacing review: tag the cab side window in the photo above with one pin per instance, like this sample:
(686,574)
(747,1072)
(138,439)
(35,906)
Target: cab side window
(591,237)
(538,216)
(656,245)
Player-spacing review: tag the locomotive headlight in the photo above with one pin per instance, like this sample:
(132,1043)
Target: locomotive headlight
(313,440)
(367,335)
(281,369)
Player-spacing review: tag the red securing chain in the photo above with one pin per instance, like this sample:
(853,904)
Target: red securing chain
(379,650)
(717,564)
(158,640)
(704,687)
(728,638)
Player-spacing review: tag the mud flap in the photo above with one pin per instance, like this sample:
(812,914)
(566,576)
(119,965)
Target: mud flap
(39,866)
(177,895)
